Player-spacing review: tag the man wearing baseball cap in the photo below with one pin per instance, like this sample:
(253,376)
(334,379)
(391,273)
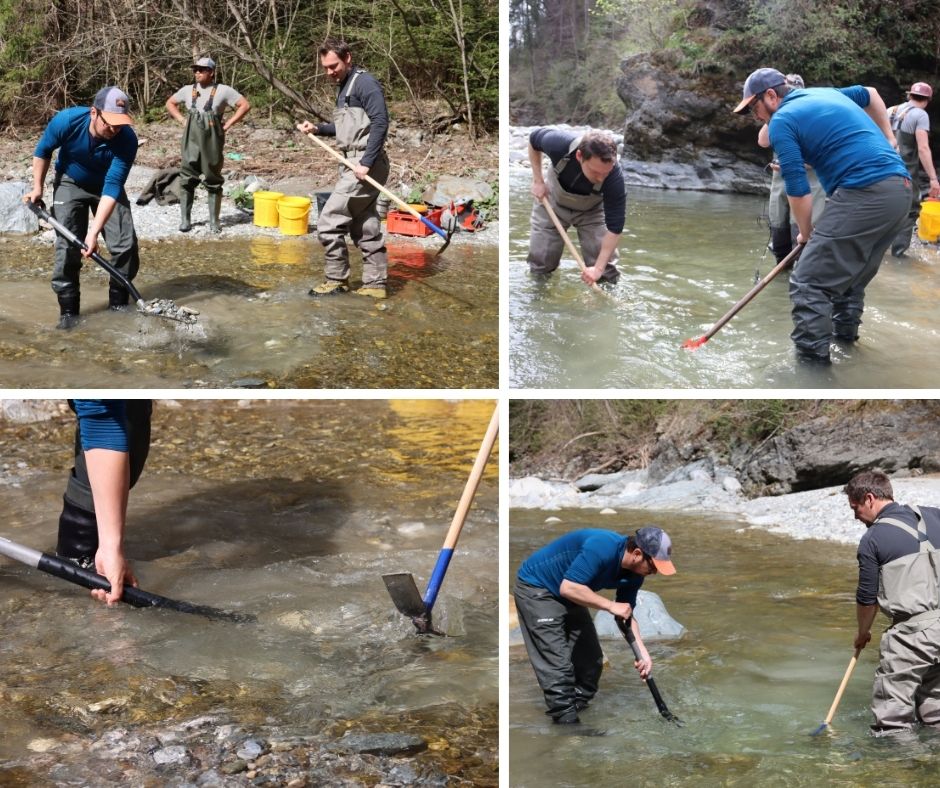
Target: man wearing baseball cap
(554,588)
(97,148)
(844,134)
(911,125)
(204,137)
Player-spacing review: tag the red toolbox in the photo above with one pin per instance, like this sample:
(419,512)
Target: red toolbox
(402,223)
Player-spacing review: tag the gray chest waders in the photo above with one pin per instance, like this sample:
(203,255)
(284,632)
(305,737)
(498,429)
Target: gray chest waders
(909,586)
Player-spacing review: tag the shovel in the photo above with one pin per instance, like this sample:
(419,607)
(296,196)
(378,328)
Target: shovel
(842,686)
(568,242)
(158,307)
(393,197)
(627,631)
(401,586)
(692,344)
(66,570)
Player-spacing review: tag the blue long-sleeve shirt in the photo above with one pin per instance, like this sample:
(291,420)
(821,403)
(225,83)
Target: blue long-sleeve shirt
(590,557)
(829,129)
(98,165)
(102,423)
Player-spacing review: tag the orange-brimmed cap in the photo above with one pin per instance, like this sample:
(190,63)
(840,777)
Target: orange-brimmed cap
(655,542)
(113,105)
(757,83)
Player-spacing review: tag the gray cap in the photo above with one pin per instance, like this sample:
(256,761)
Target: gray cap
(655,542)
(113,105)
(758,82)
(205,62)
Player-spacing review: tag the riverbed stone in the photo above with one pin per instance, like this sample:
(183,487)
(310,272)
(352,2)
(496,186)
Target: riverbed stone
(175,755)
(250,749)
(382,743)
(15,217)
(650,613)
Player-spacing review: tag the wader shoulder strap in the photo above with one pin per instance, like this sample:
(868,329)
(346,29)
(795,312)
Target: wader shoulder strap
(209,101)
(896,115)
(563,162)
(920,533)
(349,89)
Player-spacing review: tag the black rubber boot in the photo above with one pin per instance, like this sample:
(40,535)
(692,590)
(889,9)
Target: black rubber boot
(118,297)
(78,534)
(215,208)
(68,311)
(570,717)
(186,208)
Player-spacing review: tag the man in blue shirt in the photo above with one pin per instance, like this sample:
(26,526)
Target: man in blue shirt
(112,441)
(554,588)
(845,136)
(97,148)
(584,186)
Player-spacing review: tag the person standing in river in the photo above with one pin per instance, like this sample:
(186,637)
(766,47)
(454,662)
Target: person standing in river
(554,588)
(584,187)
(112,441)
(911,125)
(899,572)
(360,125)
(845,136)
(97,148)
(204,137)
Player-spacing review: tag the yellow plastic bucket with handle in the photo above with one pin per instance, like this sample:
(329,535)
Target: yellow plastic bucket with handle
(294,213)
(928,227)
(266,208)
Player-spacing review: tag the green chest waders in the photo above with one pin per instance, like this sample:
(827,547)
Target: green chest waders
(201,157)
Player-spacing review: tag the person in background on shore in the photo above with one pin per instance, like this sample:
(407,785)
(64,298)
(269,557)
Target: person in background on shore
(911,125)
(556,585)
(97,148)
(112,441)
(204,137)
(585,188)
(360,125)
(898,560)
(783,228)
(844,135)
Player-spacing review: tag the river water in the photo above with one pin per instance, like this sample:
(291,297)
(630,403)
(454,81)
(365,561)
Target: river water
(686,258)
(291,511)
(770,624)
(257,325)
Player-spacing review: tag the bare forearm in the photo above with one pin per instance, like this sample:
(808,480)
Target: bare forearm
(801,209)
(608,247)
(40,168)
(105,209)
(109,476)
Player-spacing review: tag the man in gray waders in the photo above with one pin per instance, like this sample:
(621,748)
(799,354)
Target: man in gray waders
(899,571)
(584,186)
(844,135)
(360,125)
(97,148)
(554,588)
(911,126)
(204,137)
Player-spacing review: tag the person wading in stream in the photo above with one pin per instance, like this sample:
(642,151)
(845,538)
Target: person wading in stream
(585,188)
(204,137)
(845,136)
(554,588)
(360,125)
(112,441)
(97,148)
(911,125)
(899,571)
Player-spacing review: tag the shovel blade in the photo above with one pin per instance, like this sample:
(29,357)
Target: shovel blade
(404,593)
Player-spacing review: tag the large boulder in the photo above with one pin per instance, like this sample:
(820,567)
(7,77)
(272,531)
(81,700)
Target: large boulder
(15,217)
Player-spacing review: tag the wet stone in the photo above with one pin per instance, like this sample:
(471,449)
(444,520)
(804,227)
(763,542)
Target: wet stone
(250,750)
(383,743)
(174,755)
(235,767)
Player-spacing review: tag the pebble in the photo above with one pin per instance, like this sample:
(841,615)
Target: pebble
(250,750)
(608,510)
(176,755)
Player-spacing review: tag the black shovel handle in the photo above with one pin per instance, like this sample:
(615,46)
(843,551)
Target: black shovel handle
(73,239)
(624,625)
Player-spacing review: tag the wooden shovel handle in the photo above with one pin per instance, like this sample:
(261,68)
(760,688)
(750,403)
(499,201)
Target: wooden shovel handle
(842,686)
(568,242)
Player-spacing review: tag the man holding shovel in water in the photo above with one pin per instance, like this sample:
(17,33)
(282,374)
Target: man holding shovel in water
(899,571)
(360,125)
(97,148)
(204,137)
(584,188)
(554,588)
(844,135)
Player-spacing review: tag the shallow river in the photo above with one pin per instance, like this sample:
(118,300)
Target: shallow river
(770,624)
(686,258)
(257,325)
(289,511)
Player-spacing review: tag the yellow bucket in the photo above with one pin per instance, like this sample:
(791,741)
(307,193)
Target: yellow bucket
(928,228)
(266,208)
(294,212)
